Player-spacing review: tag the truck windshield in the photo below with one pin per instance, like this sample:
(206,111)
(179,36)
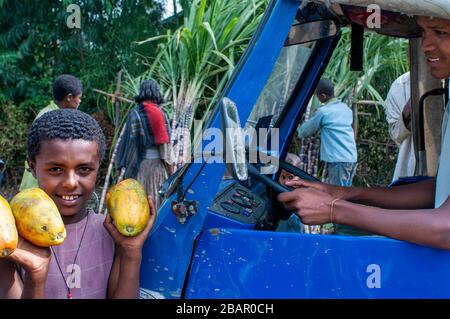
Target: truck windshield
(288,68)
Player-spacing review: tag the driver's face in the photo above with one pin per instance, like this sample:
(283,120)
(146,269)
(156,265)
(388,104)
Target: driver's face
(436,45)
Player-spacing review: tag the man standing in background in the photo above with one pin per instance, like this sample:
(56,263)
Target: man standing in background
(398,115)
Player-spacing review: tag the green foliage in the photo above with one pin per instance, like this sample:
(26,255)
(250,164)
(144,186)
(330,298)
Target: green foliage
(377,153)
(385,58)
(36,44)
(13,129)
(196,60)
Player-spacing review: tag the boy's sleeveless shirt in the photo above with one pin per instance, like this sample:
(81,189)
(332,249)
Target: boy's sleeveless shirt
(92,267)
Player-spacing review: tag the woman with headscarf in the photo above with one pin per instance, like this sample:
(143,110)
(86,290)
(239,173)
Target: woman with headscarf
(144,148)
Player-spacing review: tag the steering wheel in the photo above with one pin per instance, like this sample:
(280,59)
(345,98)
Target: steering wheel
(277,187)
(279,212)
(238,165)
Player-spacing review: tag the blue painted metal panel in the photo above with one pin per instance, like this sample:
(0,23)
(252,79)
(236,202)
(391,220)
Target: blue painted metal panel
(231,263)
(214,219)
(168,250)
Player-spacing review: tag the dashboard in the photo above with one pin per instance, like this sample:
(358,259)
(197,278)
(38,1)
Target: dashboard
(239,203)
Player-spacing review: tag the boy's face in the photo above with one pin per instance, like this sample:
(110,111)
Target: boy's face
(436,45)
(322,97)
(71,101)
(286,176)
(75,102)
(66,170)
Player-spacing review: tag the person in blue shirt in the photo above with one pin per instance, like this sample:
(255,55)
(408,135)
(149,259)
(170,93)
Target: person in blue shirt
(418,213)
(337,147)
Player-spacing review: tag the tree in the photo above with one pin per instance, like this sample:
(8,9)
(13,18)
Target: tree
(36,44)
(197,59)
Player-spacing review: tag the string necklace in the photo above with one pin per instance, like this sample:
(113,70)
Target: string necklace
(69,293)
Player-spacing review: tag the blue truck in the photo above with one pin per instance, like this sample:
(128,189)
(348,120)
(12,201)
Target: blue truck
(215,232)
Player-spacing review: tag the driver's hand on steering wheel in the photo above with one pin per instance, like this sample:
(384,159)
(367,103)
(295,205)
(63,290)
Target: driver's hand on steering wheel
(332,190)
(299,183)
(311,205)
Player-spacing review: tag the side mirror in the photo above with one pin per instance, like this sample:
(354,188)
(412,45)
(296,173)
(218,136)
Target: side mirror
(234,140)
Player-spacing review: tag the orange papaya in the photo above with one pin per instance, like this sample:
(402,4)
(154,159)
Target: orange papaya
(8,230)
(37,218)
(128,207)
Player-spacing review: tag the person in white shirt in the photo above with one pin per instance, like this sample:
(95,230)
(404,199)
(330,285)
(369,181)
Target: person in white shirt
(398,115)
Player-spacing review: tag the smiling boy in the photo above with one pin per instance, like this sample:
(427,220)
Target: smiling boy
(65,148)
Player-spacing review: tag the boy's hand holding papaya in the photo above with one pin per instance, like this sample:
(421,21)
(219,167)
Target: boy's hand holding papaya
(33,259)
(37,224)
(130,218)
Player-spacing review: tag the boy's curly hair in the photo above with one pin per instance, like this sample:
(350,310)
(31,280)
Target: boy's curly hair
(64,124)
(66,84)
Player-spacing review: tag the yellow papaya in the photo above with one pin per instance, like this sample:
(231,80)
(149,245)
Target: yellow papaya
(37,218)
(8,230)
(128,207)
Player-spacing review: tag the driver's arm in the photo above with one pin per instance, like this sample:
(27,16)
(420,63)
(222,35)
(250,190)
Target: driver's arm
(429,227)
(410,196)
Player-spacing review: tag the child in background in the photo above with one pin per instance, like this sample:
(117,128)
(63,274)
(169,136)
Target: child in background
(67,92)
(285,176)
